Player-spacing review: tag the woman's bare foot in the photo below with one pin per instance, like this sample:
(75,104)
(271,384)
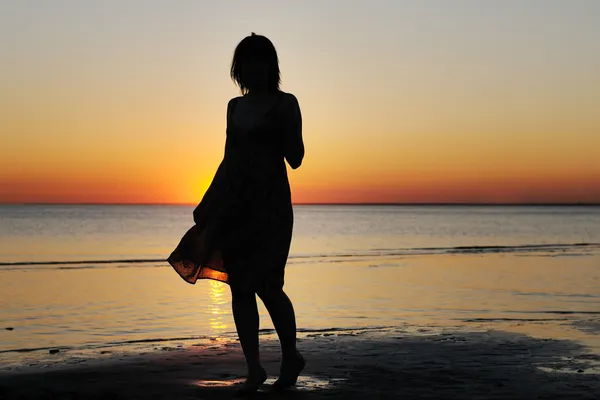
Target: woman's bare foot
(253,382)
(290,370)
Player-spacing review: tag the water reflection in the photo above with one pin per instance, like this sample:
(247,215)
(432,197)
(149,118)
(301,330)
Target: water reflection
(305,383)
(543,296)
(217,307)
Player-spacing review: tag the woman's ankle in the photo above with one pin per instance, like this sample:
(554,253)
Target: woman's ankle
(255,368)
(290,354)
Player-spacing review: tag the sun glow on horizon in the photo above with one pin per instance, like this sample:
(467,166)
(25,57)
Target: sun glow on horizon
(401,102)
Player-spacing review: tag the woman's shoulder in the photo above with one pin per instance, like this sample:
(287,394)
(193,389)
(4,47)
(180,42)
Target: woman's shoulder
(289,103)
(233,101)
(289,98)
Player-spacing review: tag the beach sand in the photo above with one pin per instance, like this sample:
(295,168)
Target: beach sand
(378,363)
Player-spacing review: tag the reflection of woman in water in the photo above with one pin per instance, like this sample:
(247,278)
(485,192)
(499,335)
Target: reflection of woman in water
(243,225)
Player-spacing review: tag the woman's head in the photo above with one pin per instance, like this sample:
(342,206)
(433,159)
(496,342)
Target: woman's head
(255,64)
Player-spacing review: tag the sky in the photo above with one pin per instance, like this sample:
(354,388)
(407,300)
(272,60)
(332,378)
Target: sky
(402,101)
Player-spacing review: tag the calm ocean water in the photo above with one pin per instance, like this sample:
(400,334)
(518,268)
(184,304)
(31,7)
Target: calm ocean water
(93,276)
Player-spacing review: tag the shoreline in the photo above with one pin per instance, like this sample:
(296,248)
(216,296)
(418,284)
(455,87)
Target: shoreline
(416,363)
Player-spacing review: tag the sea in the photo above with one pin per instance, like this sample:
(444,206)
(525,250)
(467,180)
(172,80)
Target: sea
(88,279)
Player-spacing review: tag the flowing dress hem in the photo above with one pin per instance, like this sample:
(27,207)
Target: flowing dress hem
(201,272)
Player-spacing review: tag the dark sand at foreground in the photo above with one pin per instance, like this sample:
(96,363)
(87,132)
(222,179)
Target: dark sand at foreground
(366,364)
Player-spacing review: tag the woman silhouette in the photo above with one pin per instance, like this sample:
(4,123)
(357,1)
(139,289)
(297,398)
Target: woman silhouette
(243,225)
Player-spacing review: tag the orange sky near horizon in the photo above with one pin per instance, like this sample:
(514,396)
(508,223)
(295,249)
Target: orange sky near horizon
(402,102)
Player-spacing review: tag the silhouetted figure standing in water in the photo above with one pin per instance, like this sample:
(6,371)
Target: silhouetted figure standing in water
(244,222)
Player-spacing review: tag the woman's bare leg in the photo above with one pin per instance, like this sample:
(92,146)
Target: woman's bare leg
(282,313)
(245,315)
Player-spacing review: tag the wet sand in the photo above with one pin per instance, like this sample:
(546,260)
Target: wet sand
(364,364)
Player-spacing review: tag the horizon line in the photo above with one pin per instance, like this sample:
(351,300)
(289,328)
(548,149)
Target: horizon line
(321,204)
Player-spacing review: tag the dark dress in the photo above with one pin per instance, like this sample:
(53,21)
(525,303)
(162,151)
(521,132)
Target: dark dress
(243,225)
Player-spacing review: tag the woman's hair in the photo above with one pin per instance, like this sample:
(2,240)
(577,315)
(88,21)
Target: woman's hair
(255,48)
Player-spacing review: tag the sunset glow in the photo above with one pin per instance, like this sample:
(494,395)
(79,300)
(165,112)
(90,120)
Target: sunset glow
(413,102)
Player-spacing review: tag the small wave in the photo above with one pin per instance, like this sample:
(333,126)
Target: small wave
(187,338)
(107,344)
(76,262)
(574,295)
(565,312)
(335,257)
(510,319)
(553,315)
(32,349)
(526,247)
(155,340)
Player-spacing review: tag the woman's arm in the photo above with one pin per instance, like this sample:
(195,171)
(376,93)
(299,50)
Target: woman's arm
(230,107)
(294,145)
